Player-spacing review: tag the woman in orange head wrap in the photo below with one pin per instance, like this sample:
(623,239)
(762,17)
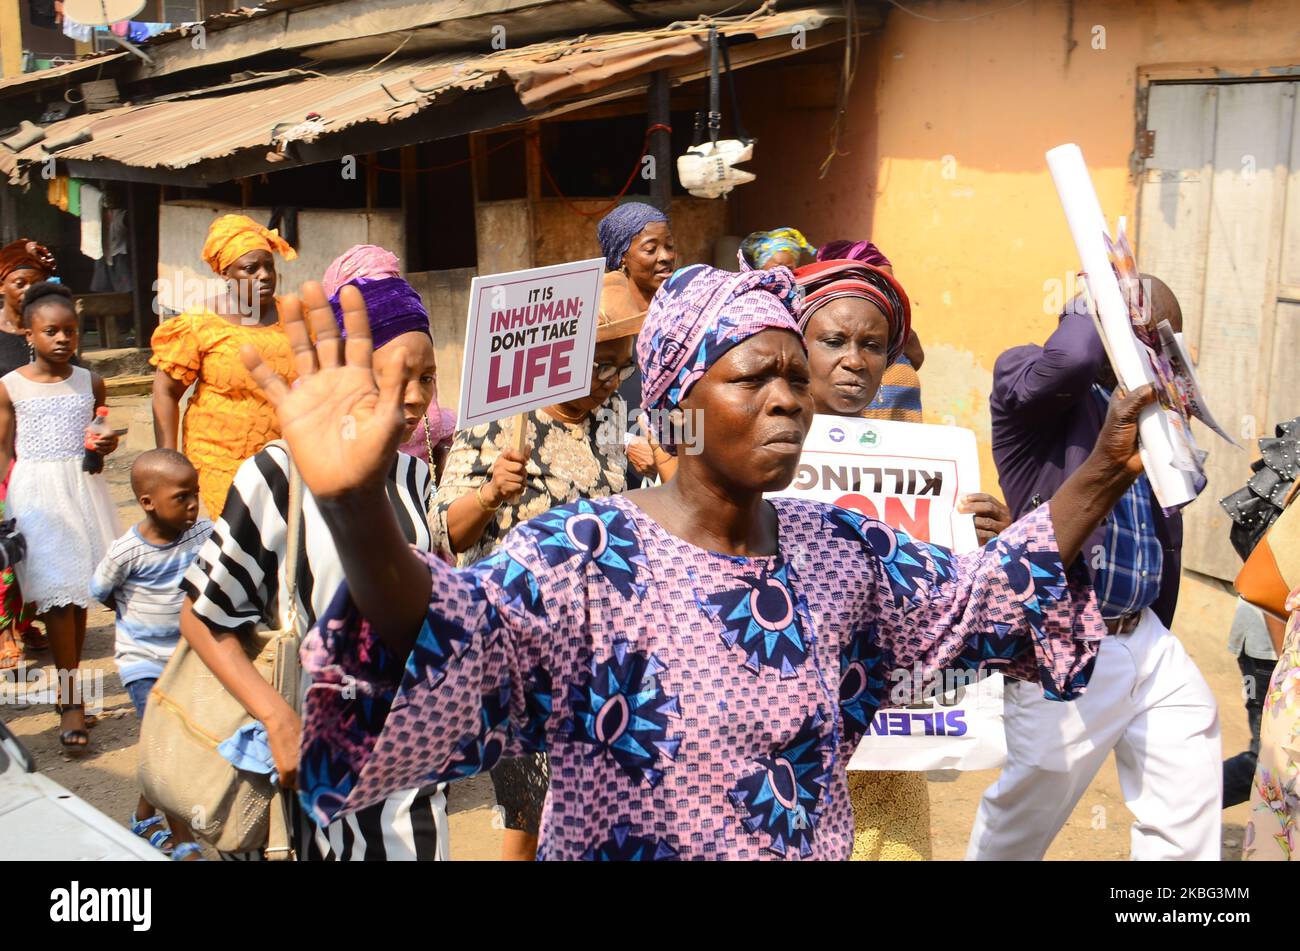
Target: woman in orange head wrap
(227,419)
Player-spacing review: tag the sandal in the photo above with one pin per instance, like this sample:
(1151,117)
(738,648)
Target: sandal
(183,852)
(91,720)
(11,652)
(74,742)
(158,836)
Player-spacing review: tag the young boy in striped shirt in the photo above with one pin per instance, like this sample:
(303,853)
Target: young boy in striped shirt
(139,579)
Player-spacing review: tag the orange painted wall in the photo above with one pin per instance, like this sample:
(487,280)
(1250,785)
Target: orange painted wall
(947,132)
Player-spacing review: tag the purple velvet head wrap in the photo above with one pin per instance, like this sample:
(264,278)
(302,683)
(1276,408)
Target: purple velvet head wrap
(617,229)
(697,316)
(393,306)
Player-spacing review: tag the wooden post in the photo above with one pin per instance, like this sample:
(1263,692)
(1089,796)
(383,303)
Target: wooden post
(143,221)
(413,253)
(520,443)
(658,111)
(372,180)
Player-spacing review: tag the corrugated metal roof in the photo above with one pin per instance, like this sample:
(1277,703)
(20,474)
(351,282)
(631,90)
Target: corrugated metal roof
(179,134)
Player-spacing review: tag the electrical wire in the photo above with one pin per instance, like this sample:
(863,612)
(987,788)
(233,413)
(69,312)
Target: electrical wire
(848,71)
(636,167)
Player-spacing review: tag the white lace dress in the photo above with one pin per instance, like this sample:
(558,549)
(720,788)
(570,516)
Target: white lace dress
(65,514)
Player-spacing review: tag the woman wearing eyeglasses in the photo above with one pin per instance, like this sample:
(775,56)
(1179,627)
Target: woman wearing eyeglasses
(575,451)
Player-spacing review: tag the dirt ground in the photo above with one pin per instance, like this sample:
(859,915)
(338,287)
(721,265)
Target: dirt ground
(106,776)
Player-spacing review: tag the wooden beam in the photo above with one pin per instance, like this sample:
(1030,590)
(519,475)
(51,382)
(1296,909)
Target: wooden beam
(486,109)
(628,106)
(118,172)
(352,30)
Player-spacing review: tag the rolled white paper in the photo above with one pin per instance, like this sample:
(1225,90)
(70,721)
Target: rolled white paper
(1173,486)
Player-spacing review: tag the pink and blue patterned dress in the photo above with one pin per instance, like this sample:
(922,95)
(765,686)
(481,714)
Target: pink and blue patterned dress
(694,705)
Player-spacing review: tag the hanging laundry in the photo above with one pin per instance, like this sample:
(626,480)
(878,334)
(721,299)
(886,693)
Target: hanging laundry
(76,31)
(121,28)
(139,32)
(74,197)
(56,192)
(117,241)
(92,222)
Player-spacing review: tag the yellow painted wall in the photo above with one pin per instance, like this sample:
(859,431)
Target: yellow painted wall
(982,100)
(11,39)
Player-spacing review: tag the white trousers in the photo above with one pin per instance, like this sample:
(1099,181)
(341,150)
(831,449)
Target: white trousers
(1147,702)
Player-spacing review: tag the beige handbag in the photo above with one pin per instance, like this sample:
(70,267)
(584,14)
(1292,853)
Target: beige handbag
(190,713)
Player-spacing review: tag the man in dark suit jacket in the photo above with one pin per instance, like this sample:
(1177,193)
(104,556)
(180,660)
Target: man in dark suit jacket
(1146,700)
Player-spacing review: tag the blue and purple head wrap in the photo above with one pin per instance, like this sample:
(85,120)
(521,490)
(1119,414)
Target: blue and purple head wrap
(698,315)
(757,249)
(393,307)
(617,229)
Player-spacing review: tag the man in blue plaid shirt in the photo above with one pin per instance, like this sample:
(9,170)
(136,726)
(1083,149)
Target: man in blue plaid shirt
(1146,701)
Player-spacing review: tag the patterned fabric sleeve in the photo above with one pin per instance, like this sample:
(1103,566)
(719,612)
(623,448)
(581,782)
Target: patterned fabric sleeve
(472,691)
(1010,607)
(176,348)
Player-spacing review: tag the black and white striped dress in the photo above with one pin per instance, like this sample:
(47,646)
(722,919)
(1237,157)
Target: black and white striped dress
(237,579)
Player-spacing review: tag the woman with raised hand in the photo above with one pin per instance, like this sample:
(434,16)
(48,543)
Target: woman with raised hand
(239,576)
(679,650)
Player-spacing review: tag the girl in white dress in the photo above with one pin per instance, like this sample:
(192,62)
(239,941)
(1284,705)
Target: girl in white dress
(64,513)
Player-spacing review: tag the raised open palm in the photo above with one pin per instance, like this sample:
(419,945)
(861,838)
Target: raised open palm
(341,427)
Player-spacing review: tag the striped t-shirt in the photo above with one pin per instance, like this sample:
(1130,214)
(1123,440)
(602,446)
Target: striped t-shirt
(239,579)
(144,582)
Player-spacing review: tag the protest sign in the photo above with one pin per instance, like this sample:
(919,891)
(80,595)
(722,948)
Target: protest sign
(911,477)
(905,474)
(529,340)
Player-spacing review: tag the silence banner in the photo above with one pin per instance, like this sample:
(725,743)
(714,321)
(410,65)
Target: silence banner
(910,476)
(529,340)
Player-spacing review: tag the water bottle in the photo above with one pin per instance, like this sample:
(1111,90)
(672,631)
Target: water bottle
(92,461)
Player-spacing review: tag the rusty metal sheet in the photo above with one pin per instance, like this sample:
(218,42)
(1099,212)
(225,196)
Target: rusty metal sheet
(181,133)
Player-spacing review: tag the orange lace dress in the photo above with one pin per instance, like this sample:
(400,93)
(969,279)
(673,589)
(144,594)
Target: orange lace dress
(228,419)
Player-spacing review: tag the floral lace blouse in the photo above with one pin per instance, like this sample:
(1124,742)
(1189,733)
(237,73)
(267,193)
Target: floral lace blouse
(567,462)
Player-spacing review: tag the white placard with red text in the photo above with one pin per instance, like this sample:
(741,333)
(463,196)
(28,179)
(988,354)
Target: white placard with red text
(529,340)
(910,476)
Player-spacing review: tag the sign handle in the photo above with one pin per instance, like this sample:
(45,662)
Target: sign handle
(521,433)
